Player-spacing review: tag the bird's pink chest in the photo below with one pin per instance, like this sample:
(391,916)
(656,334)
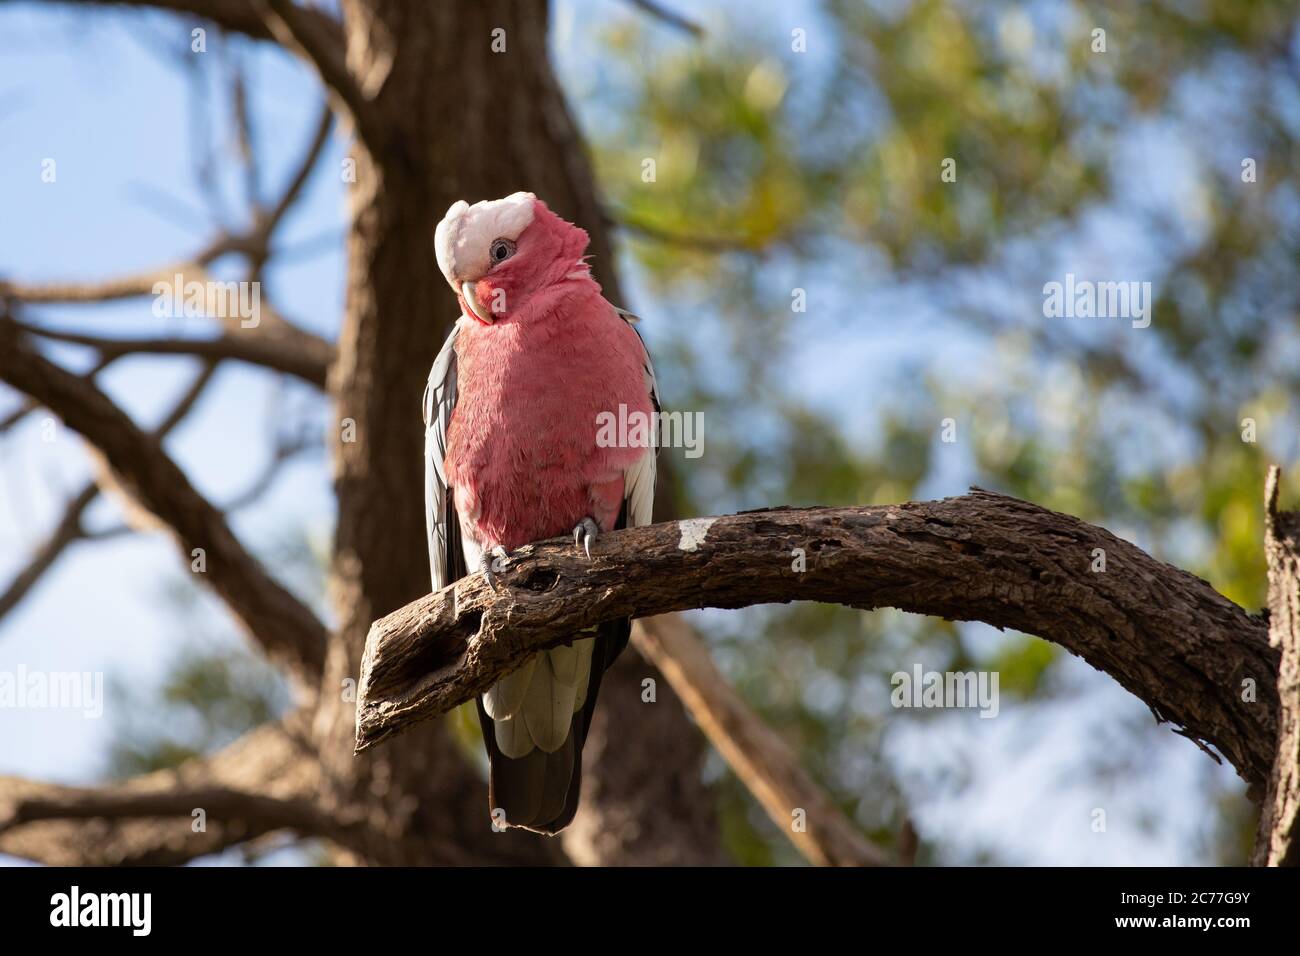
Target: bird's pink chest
(523,456)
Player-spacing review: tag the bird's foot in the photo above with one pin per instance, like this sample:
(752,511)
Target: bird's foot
(499,564)
(586,532)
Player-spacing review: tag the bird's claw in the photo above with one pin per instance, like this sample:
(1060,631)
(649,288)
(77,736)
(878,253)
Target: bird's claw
(585,533)
(499,564)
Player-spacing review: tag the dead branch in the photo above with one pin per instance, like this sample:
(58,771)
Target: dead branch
(1164,634)
(68,530)
(307,357)
(298,31)
(70,527)
(671,17)
(239,16)
(281,624)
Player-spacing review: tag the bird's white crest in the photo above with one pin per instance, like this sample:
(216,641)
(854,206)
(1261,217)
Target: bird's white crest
(463,239)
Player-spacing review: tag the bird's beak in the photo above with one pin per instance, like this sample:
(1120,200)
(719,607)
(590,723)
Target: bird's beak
(471,299)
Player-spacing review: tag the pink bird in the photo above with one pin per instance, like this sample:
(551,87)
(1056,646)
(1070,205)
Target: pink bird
(512,414)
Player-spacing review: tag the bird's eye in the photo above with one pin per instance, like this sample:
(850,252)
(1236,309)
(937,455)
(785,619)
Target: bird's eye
(502,249)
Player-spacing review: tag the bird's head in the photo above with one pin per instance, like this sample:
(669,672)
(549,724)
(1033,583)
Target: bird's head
(498,253)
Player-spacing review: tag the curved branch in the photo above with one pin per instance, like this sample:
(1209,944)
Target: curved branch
(284,626)
(306,166)
(68,530)
(1165,635)
(275,343)
(122,287)
(301,355)
(70,527)
(298,30)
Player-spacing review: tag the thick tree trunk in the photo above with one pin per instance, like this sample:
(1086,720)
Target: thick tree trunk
(464,122)
(1278,840)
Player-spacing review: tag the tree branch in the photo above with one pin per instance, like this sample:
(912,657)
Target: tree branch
(1277,842)
(1164,634)
(254,810)
(284,626)
(65,532)
(303,356)
(261,782)
(130,286)
(763,761)
(297,29)
(298,182)
(70,527)
(237,16)
(274,343)
(670,17)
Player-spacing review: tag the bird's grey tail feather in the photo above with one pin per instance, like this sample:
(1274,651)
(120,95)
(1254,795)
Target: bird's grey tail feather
(540,790)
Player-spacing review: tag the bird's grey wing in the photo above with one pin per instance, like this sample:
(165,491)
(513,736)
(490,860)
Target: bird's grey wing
(446,560)
(639,480)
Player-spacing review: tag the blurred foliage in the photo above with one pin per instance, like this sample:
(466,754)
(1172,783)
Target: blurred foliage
(776,170)
(208,699)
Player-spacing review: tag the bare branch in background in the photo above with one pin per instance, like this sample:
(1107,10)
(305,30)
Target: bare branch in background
(238,16)
(269,223)
(282,625)
(272,760)
(670,17)
(300,32)
(274,342)
(126,287)
(70,527)
(245,137)
(765,763)
(68,530)
(295,353)
(255,811)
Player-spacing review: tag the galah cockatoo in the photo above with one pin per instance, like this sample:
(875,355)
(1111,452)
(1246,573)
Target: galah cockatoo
(511,418)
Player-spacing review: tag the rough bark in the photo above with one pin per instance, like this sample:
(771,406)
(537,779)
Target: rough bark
(1278,840)
(1165,635)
